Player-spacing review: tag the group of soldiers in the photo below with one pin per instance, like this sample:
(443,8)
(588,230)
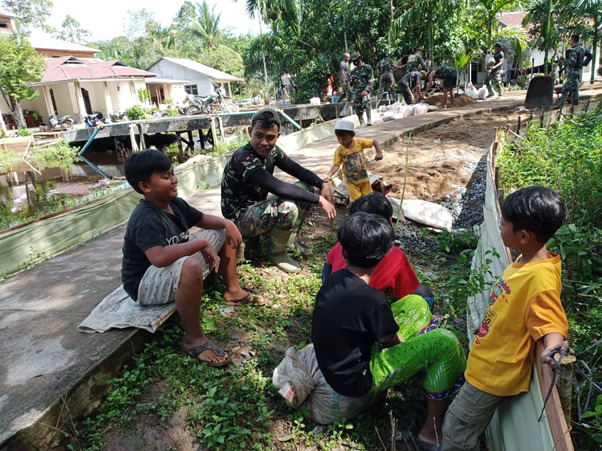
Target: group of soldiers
(357,84)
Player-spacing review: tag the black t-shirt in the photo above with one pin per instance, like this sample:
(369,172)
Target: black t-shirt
(150,226)
(349,317)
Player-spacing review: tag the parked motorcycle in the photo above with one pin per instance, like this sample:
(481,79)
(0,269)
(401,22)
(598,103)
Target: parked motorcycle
(55,123)
(211,104)
(94,119)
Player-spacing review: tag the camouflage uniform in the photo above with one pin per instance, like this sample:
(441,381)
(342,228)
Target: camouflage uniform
(408,83)
(345,92)
(362,78)
(248,205)
(448,75)
(414,63)
(386,80)
(574,67)
(496,76)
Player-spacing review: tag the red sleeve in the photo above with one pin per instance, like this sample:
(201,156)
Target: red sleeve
(335,258)
(404,280)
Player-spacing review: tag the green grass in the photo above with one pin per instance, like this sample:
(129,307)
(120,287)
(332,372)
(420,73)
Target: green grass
(238,407)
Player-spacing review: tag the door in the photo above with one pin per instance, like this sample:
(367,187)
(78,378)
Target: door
(87,103)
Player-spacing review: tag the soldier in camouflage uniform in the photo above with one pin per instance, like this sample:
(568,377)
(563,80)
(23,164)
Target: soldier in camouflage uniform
(384,68)
(362,80)
(495,72)
(450,79)
(577,59)
(415,62)
(248,179)
(344,74)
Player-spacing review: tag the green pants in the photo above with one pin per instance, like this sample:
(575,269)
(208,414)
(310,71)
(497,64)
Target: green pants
(493,80)
(571,87)
(438,354)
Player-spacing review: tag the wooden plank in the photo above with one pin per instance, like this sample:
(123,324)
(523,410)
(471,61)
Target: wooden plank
(558,427)
(190,142)
(180,148)
(202,138)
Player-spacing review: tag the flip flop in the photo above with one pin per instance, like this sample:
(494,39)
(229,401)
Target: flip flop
(249,299)
(209,345)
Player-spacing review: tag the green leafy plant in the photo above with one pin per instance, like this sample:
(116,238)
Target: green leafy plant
(23,132)
(135,113)
(61,155)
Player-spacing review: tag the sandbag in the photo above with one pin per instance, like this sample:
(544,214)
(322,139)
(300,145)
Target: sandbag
(292,377)
(471,91)
(408,111)
(489,60)
(420,109)
(482,93)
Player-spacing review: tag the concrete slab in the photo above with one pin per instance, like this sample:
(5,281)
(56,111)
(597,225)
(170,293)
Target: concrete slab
(50,374)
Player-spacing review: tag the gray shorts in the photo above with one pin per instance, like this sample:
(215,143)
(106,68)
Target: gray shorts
(467,417)
(159,285)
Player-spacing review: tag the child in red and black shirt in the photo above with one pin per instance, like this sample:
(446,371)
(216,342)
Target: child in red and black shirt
(393,274)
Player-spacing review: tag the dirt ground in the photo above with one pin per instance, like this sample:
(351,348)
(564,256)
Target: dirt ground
(439,158)
(461,100)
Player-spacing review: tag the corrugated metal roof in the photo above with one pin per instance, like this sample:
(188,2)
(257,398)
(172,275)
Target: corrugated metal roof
(71,68)
(41,40)
(201,68)
(4,13)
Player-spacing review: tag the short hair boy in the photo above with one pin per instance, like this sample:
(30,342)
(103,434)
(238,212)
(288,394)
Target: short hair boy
(161,264)
(525,308)
(361,349)
(394,273)
(350,153)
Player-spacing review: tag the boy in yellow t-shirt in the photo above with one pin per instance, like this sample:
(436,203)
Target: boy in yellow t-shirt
(350,154)
(525,308)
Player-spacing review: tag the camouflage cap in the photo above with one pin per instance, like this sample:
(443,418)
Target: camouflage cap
(497,44)
(355,56)
(269,115)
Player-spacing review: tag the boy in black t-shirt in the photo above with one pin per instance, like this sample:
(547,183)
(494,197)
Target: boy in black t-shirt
(160,264)
(359,347)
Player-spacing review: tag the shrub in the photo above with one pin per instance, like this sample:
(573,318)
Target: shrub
(135,113)
(61,155)
(23,132)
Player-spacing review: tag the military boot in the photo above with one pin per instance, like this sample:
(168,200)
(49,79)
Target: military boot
(277,251)
(369,115)
(292,241)
(361,118)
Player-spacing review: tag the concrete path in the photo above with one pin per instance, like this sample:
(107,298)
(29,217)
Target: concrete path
(50,374)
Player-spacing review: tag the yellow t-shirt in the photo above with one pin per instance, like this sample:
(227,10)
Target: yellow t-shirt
(353,160)
(525,306)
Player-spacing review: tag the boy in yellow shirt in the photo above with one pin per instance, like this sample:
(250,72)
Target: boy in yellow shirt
(350,153)
(525,308)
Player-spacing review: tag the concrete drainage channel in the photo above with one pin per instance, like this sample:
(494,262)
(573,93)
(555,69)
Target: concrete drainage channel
(41,418)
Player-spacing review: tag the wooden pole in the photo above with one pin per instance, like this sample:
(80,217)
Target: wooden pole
(214,131)
(564,384)
(518,124)
(190,142)
(221,128)
(201,138)
(133,138)
(180,148)
(142,141)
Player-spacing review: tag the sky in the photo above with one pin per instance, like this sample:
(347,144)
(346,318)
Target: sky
(106,19)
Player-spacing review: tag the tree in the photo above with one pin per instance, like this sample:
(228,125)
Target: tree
(32,13)
(72,31)
(206,26)
(186,16)
(21,65)
(593,9)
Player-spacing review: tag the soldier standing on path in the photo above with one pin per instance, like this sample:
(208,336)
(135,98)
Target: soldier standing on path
(344,73)
(577,59)
(362,80)
(415,62)
(386,81)
(495,72)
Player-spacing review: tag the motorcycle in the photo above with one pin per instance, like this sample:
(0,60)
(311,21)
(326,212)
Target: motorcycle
(94,119)
(55,123)
(211,104)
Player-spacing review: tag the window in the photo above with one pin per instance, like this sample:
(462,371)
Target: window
(191,89)
(3,25)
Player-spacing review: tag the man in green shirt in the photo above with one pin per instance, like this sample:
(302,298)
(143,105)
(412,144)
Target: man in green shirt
(576,60)
(362,80)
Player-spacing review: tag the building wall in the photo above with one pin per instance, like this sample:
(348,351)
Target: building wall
(167,69)
(6,26)
(38,104)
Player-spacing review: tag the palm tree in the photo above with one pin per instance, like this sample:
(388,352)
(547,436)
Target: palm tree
(206,27)
(542,14)
(491,9)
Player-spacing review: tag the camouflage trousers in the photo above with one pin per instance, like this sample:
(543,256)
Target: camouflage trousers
(493,80)
(571,87)
(360,103)
(386,83)
(273,212)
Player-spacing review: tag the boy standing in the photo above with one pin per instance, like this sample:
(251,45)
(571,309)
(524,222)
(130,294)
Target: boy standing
(160,264)
(350,153)
(525,308)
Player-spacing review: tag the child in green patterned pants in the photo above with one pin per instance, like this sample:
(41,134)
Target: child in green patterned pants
(364,345)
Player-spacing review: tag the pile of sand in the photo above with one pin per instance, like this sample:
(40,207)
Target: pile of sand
(461,100)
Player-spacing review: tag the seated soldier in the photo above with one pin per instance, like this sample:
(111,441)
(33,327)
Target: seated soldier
(248,179)
(394,274)
(360,348)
